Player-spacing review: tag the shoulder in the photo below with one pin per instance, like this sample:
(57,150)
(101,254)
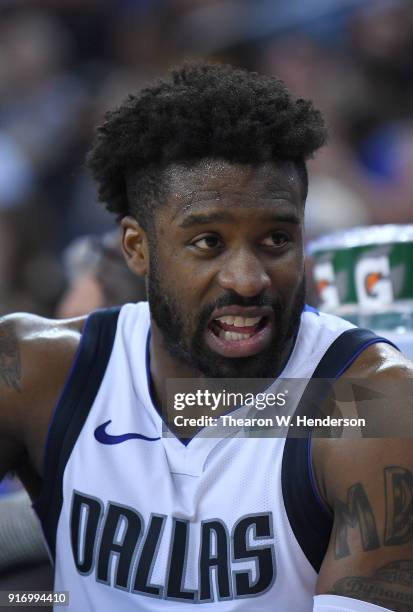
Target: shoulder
(380,382)
(380,361)
(30,327)
(32,347)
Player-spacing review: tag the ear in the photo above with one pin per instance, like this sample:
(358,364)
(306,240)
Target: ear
(135,246)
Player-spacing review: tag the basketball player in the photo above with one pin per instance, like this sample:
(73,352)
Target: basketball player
(206,173)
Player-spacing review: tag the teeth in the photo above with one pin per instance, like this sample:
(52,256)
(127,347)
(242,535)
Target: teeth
(226,335)
(239,321)
(246,321)
(228,319)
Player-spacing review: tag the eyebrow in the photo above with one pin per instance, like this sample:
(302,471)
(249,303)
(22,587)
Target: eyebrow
(203,219)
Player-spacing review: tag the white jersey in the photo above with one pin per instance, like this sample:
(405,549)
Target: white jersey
(139,521)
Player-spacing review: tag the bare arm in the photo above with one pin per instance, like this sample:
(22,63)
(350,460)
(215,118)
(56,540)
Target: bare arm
(35,357)
(368,485)
(370,555)
(11,438)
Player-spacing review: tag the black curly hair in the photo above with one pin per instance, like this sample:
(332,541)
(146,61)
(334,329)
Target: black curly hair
(202,110)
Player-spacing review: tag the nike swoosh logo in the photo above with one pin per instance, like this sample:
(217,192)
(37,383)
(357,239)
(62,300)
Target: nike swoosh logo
(104,438)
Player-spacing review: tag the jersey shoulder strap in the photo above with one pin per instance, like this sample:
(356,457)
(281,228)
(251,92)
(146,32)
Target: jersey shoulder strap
(308,516)
(70,414)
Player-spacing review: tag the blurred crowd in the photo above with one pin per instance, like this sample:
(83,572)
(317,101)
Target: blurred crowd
(64,62)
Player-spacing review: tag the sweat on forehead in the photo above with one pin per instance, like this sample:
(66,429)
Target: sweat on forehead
(214,179)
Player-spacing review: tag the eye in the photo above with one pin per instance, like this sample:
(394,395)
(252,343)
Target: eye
(207,243)
(276,240)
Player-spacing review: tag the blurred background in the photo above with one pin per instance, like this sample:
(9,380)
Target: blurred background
(64,62)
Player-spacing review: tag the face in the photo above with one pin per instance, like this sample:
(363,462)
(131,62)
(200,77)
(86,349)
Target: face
(226,277)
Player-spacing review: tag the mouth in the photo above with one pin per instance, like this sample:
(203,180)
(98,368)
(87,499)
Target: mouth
(235,331)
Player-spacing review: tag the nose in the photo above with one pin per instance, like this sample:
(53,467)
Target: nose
(245,274)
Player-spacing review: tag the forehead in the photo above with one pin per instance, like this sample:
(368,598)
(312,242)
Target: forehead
(221,183)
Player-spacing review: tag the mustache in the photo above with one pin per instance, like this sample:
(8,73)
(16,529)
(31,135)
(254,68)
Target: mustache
(233,299)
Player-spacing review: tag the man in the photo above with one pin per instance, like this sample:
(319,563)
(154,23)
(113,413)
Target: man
(206,173)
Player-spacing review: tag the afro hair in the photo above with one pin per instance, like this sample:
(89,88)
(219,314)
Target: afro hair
(202,110)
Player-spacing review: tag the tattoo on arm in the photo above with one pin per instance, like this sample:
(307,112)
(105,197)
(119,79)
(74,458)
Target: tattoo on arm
(357,512)
(10,371)
(399,505)
(391,586)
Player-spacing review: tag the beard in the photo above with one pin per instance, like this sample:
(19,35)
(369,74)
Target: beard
(172,321)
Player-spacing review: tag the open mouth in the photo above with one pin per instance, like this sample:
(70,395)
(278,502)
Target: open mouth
(240,335)
(229,327)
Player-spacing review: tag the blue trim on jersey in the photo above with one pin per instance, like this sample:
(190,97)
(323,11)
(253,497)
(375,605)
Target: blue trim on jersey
(301,497)
(308,308)
(360,350)
(71,412)
(67,382)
